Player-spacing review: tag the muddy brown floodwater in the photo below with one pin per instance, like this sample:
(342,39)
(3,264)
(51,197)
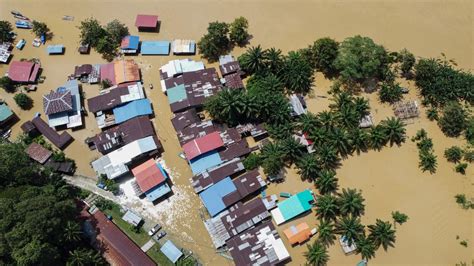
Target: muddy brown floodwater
(390,179)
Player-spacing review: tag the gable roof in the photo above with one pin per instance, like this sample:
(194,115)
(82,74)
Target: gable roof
(202,145)
(116,96)
(155,48)
(130,42)
(23,71)
(213,196)
(120,71)
(293,206)
(146,21)
(38,153)
(5,112)
(57,102)
(171,251)
(148,175)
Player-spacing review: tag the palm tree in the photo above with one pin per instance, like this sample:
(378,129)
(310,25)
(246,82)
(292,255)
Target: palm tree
(394,130)
(382,234)
(292,149)
(308,167)
(327,207)
(272,158)
(319,136)
(316,255)
(428,162)
(79,257)
(274,60)
(326,182)
(340,141)
(350,227)
(351,202)
(347,117)
(377,137)
(327,157)
(297,73)
(365,248)
(253,60)
(359,140)
(361,106)
(340,100)
(308,122)
(326,232)
(72,231)
(327,119)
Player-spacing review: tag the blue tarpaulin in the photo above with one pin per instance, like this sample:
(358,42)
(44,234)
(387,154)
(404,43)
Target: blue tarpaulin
(155,48)
(213,196)
(131,110)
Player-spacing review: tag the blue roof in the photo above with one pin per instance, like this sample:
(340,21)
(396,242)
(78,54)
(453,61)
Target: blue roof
(213,196)
(155,48)
(205,161)
(176,94)
(171,251)
(55,49)
(132,42)
(132,109)
(5,112)
(157,192)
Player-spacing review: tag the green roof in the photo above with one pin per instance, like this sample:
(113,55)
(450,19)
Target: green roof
(176,94)
(5,112)
(296,204)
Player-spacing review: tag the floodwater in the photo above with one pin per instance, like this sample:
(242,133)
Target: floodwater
(390,179)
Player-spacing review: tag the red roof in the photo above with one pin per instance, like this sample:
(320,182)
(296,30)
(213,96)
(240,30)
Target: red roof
(146,21)
(202,145)
(38,153)
(23,71)
(148,175)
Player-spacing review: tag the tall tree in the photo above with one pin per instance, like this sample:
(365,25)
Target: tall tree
(327,207)
(72,231)
(327,157)
(326,232)
(350,227)
(351,202)
(365,248)
(407,61)
(5,31)
(394,130)
(382,234)
(7,84)
(359,140)
(308,167)
(215,42)
(377,137)
(325,51)
(91,32)
(308,122)
(274,60)
(297,74)
(316,255)
(339,139)
(117,30)
(253,60)
(39,28)
(326,182)
(390,92)
(238,32)
(453,120)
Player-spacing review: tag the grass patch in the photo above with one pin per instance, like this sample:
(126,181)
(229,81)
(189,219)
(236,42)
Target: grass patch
(156,255)
(139,238)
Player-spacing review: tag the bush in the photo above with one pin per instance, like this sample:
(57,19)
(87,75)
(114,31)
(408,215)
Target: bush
(461,168)
(238,31)
(453,119)
(322,54)
(453,154)
(390,92)
(399,217)
(59,156)
(215,42)
(7,84)
(23,101)
(252,161)
(469,156)
(103,204)
(407,61)
(432,114)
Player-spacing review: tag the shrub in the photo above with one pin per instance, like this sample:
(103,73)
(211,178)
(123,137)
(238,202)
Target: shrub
(390,92)
(453,119)
(252,161)
(399,217)
(23,101)
(432,114)
(453,154)
(461,168)
(215,42)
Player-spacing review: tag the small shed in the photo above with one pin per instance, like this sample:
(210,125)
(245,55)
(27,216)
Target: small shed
(171,251)
(129,44)
(146,22)
(55,49)
(184,47)
(132,218)
(155,48)
(298,234)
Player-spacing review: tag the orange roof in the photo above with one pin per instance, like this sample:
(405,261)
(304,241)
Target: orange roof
(126,71)
(148,175)
(298,234)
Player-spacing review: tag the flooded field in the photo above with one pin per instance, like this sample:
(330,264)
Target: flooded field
(390,179)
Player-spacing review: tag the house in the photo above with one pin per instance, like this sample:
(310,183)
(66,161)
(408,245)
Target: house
(5,51)
(233,81)
(87,73)
(171,251)
(129,44)
(7,116)
(177,67)
(258,246)
(23,71)
(132,109)
(118,248)
(228,65)
(211,176)
(195,130)
(202,145)
(115,96)
(38,153)
(257,131)
(132,218)
(151,179)
(293,206)
(155,48)
(236,220)
(63,106)
(184,119)
(298,234)
(120,71)
(39,125)
(146,22)
(123,134)
(226,192)
(204,162)
(55,49)
(66,167)
(184,47)
(298,105)
(115,164)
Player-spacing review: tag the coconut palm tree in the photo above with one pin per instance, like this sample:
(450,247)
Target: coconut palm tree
(365,248)
(394,130)
(292,149)
(340,141)
(253,60)
(274,60)
(340,100)
(428,162)
(72,232)
(308,122)
(272,158)
(316,255)
(326,182)
(327,119)
(319,136)
(326,232)
(327,157)
(362,107)
(382,234)
(351,202)
(350,227)
(377,137)
(327,207)
(347,117)
(308,167)
(79,257)
(359,140)
(297,73)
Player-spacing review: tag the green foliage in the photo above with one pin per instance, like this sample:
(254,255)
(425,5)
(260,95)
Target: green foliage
(317,254)
(428,161)
(440,83)
(453,120)
(16,167)
(360,59)
(105,83)
(365,247)
(252,161)
(39,28)
(469,156)
(394,130)
(432,114)
(351,202)
(7,84)
(350,227)
(215,42)
(463,243)
(308,167)
(116,30)
(399,218)
(59,156)
(107,47)
(327,207)
(326,232)
(453,154)
(326,182)
(23,101)
(5,29)
(231,107)
(110,184)
(254,60)
(390,92)
(238,32)
(382,234)
(272,158)
(103,204)
(323,53)
(461,168)
(407,61)
(377,137)
(297,73)
(91,32)
(469,133)
(82,256)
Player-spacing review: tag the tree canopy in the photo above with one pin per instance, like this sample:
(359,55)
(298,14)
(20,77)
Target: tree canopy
(40,28)
(215,42)
(7,84)
(238,32)
(297,73)
(5,31)
(453,120)
(322,55)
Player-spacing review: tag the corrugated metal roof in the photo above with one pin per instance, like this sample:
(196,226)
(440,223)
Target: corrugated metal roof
(55,49)
(176,94)
(146,21)
(130,42)
(155,48)
(213,196)
(131,110)
(204,162)
(5,112)
(171,251)
(148,175)
(202,145)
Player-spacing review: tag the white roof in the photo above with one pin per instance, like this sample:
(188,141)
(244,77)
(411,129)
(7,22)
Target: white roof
(224,59)
(177,67)
(298,108)
(184,46)
(345,245)
(277,216)
(135,92)
(265,236)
